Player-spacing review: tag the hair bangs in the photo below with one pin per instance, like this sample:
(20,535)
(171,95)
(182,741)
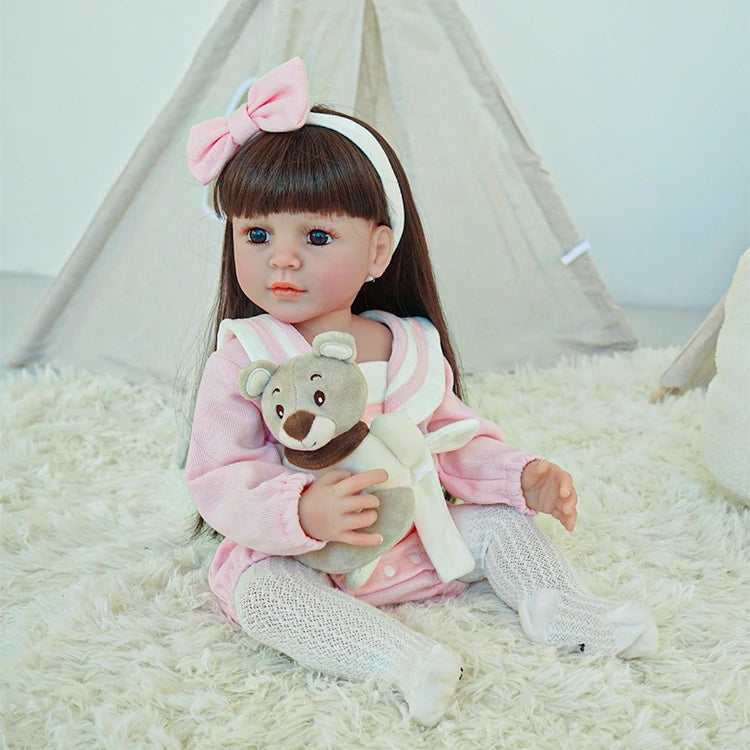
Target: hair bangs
(310,170)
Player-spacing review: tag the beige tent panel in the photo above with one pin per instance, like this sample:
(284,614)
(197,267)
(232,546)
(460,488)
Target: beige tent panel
(694,366)
(137,292)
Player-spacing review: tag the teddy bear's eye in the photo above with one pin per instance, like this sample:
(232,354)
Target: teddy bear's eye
(279,411)
(319,398)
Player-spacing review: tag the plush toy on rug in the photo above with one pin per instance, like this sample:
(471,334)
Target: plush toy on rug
(313,404)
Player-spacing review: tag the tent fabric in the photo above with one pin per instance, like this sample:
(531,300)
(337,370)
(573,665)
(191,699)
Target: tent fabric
(694,366)
(137,292)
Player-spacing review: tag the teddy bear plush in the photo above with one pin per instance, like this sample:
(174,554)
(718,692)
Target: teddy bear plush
(313,405)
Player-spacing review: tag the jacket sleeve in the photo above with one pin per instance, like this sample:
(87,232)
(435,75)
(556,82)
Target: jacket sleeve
(486,470)
(234,473)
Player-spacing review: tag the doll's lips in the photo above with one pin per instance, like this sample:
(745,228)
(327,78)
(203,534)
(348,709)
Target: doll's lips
(285,290)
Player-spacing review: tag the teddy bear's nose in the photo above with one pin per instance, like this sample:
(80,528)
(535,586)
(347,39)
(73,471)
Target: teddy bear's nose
(298,425)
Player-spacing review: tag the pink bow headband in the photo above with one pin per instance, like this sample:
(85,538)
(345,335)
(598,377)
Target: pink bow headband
(279,102)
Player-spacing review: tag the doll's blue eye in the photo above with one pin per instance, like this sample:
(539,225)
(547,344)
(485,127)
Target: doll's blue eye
(319,237)
(257,236)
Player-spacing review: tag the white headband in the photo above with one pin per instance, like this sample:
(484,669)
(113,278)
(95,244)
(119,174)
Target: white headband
(368,144)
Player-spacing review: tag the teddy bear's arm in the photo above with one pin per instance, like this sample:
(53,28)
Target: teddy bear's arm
(442,541)
(401,436)
(452,436)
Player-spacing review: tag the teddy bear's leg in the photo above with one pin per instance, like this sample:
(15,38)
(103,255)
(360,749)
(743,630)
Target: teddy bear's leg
(530,574)
(296,610)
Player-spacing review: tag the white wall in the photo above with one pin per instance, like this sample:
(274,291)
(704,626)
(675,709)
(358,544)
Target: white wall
(82,80)
(640,109)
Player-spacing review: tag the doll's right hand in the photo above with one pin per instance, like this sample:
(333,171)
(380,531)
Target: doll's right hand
(332,509)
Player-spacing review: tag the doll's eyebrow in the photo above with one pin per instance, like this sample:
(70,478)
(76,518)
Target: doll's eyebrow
(275,390)
(312,377)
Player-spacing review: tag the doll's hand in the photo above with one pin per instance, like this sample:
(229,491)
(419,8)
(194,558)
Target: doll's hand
(549,489)
(332,508)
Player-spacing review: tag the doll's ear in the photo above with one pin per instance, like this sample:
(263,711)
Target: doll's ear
(336,345)
(254,378)
(381,250)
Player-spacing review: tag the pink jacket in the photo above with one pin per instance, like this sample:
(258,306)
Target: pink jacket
(240,488)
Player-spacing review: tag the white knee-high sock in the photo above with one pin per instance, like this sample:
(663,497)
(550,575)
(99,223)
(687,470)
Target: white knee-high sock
(286,605)
(529,573)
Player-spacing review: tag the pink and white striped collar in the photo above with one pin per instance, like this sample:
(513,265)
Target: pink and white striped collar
(416,369)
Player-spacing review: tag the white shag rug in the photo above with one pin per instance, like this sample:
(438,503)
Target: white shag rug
(110,637)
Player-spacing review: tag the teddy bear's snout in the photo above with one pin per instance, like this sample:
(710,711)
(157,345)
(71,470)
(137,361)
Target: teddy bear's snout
(298,425)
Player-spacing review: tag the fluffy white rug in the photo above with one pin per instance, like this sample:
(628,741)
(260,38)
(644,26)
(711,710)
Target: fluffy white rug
(110,637)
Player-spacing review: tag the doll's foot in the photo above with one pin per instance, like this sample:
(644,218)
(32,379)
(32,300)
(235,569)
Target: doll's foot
(589,624)
(634,624)
(431,685)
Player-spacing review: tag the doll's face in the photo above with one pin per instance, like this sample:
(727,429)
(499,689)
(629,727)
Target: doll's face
(302,268)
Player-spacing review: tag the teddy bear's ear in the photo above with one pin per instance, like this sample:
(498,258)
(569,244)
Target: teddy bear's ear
(254,378)
(336,345)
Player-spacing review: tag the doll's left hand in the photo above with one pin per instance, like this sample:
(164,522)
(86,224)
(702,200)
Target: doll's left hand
(549,489)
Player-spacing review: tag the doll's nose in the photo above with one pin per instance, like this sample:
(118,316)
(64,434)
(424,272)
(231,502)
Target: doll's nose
(284,256)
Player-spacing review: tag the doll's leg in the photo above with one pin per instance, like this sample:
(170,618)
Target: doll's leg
(530,574)
(296,610)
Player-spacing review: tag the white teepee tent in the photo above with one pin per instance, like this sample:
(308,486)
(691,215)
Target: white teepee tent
(138,288)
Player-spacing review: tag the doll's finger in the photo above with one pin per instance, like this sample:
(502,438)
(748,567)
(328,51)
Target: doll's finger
(361,520)
(358,482)
(567,506)
(572,501)
(568,519)
(366,500)
(566,485)
(358,503)
(334,476)
(360,539)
